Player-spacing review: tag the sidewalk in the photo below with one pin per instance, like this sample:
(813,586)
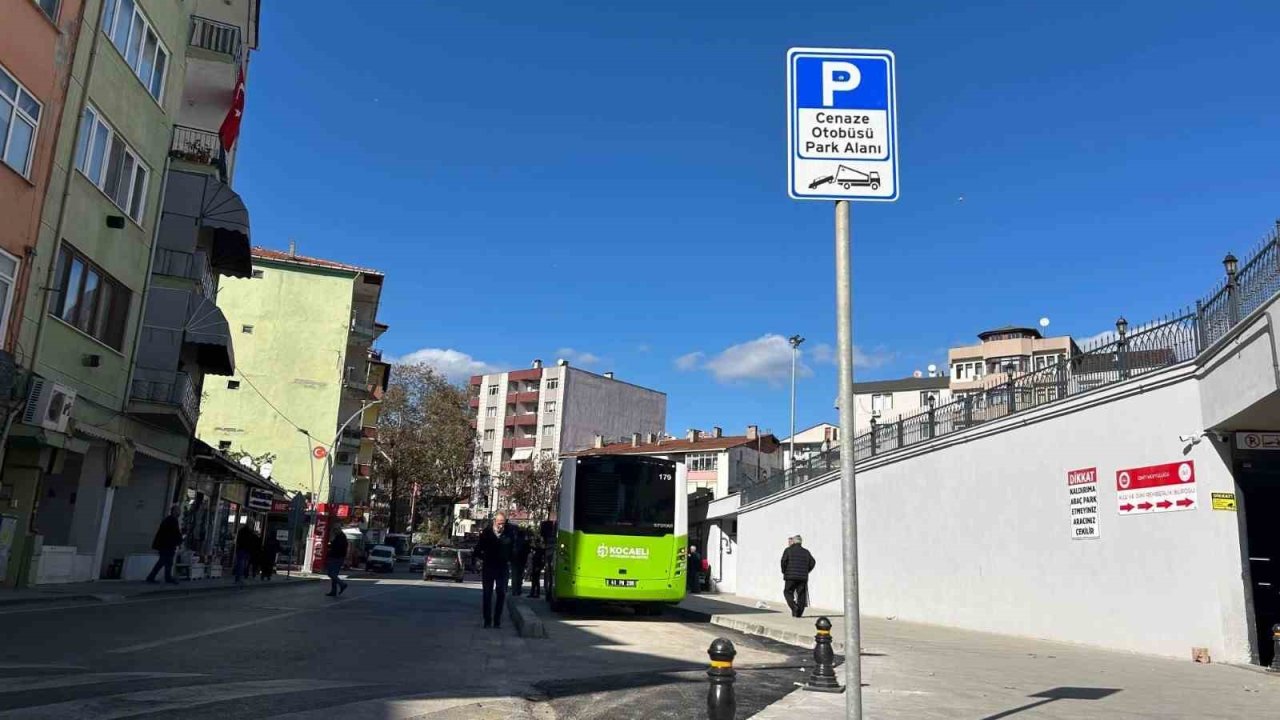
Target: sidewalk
(118,590)
(924,672)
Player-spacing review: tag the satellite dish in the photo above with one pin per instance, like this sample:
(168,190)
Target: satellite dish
(1044,322)
(917,374)
(933,368)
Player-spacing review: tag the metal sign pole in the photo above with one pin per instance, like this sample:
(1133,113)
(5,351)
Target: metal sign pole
(848,488)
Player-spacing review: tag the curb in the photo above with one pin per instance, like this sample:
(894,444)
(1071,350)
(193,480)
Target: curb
(528,624)
(106,596)
(51,598)
(789,637)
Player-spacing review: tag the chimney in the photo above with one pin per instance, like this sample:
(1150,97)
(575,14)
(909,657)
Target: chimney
(635,439)
(753,432)
(692,435)
(609,374)
(651,438)
(537,364)
(599,441)
(293,247)
(716,432)
(562,362)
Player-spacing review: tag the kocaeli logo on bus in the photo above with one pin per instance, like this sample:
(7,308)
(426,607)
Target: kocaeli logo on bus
(622,553)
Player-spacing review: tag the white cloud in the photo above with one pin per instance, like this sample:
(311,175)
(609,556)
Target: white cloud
(578,357)
(644,348)
(689,361)
(457,366)
(823,353)
(767,358)
(875,358)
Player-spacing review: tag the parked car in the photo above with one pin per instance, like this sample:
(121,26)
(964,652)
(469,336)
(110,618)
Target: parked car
(382,557)
(401,543)
(444,563)
(418,558)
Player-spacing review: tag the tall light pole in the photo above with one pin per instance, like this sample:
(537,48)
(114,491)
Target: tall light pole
(795,341)
(327,475)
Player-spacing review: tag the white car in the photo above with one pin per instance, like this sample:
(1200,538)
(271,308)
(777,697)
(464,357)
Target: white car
(382,557)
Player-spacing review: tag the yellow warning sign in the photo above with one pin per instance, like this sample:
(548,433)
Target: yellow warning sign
(1224,501)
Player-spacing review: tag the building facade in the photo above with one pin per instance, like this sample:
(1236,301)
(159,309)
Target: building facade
(810,443)
(307,379)
(521,415)
(1004,352)
(883,401)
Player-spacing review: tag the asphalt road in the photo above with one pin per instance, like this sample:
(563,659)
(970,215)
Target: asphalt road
(391,647)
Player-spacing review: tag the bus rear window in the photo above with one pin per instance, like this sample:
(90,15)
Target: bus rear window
(625,496)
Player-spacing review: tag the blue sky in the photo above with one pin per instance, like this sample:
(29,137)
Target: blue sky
(608,184)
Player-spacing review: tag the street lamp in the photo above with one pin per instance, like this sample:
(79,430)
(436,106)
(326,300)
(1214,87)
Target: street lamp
(1122,328)
(1231,265)
(328,472)
(795,341)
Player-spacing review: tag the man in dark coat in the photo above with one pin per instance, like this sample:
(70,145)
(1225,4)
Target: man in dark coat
(247,547)
(797,563)
(519,561)
(267,562)
(168,538)
(694,574)
(334,556)
(537,561)
(496,549)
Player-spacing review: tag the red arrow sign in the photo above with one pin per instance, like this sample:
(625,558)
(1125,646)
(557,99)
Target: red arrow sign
(1145,506)
(1186,502)
(1126,507)
(1164,504)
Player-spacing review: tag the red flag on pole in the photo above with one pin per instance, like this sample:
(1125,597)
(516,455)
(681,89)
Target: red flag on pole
(230,129)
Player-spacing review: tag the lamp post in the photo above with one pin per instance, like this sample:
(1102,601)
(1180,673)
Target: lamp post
(1122,329)
(1232,266)
(795,341)
(328,474)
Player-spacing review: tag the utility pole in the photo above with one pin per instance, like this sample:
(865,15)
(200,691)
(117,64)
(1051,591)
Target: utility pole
(848,491)
(795,341)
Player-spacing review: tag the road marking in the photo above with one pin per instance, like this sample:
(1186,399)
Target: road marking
(237,626)
(35,682)
(126,705)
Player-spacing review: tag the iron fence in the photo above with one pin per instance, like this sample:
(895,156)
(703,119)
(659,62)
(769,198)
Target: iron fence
(1167,341)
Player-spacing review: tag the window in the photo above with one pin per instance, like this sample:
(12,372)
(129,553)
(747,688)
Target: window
(547,452)
(624,496)
(550,407)
(928,395)
(8,276)
(488,435)
(488,459)
(233,384)
(50,8)
(257,273)
(491,412)
(224,444)
(697,462)
(133,36)
(493,389)
(881,402)
(19,121)
(553,383)
(246,329)
(109,163)
(89,299)
(548,431)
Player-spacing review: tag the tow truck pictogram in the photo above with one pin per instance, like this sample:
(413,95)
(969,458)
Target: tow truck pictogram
(846,177)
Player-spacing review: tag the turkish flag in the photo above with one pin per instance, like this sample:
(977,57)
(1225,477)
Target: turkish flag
(230,129)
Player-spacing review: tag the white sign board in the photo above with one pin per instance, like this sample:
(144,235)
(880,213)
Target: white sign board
(1170,487)
(1258,441)
(842,124)
(1082,503)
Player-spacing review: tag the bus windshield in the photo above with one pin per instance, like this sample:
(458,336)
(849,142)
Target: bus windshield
(625,496)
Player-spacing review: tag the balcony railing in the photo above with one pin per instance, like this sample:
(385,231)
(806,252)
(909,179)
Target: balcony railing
(176,391)
(193,266)
(215,36)
(198,146)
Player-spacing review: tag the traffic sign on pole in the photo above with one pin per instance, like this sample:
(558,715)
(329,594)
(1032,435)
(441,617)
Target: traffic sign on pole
(842,125)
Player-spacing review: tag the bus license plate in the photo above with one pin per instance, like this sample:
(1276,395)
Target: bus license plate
(610,582)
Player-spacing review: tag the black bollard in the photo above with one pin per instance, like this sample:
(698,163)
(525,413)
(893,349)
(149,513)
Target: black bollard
(721,705)
(823,677)
(1275,648)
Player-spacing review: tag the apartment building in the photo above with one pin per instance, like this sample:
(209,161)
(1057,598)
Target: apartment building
(546,411)
(1003,352)
(883,401)
(117,322)
(810,443)
(307,379)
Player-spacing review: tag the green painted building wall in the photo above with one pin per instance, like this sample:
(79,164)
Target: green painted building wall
(294,357)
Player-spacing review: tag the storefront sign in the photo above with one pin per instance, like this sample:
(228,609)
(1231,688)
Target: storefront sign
(1082,503)
(1224,501)
(1157,488)
(279,506)
(259,499)
(1258,441)
(317,543)
(342,510)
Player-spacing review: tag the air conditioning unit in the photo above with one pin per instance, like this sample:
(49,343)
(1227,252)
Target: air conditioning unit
(49,405)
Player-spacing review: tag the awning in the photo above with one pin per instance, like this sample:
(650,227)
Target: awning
(523,453)
(216,463)
(207,329)
(194,201)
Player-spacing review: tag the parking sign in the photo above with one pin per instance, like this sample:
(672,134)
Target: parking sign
(842,128)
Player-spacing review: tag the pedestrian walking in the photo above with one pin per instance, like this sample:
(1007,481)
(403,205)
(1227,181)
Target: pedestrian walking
(797,563)
(167,540)
(537,561)
(334,556)
(246,549)
(694,570)
(519,561)
(267,563)
(496,548)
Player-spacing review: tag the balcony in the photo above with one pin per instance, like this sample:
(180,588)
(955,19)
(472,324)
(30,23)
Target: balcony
(216,37)
(522,419)
(517,466)
(519,442)
(198,146)
(369,432)
(528,396)
(167,399)
(192,266)
(202,214)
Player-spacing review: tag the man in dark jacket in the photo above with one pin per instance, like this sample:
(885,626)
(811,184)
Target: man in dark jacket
(334,556)
(693,578)
(166,542)
(537,561)
(496,549)
(247,547)
(797,563)
(519,561)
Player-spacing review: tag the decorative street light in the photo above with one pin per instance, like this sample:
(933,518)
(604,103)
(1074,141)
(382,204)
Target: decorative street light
(1122,328)
(795,341)
(1231,265)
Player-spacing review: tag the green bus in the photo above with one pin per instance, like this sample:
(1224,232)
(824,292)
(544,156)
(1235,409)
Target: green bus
(622,534)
